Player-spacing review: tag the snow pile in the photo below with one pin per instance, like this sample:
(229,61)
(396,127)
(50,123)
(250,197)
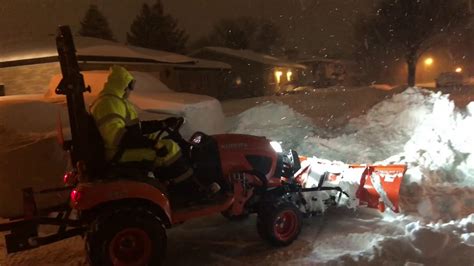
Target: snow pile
(417,127)
(277,122)
(440,146)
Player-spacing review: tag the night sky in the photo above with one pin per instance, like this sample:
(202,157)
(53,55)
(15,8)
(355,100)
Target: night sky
(312,26)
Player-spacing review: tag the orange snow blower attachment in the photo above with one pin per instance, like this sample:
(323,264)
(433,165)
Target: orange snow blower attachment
(378,186)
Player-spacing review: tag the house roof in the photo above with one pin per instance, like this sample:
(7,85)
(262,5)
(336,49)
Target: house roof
(92,49)
(251,56)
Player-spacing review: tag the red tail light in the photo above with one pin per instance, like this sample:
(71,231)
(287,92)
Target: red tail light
(70,178)
(75,195)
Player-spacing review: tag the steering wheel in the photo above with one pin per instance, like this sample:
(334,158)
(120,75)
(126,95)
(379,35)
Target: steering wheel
(173,132)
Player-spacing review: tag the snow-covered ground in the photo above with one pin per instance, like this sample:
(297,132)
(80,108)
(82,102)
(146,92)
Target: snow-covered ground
(418,127)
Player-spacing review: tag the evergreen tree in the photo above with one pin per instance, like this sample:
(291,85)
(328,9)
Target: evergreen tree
(243,33)
(155,30)
(94,24)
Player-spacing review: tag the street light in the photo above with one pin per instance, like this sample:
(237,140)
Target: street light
(428,61)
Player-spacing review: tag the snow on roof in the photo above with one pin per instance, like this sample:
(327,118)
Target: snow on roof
(100,50)
(252,56)
(118,50)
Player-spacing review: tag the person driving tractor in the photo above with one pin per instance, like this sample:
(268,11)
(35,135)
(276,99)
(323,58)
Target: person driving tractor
(127,139)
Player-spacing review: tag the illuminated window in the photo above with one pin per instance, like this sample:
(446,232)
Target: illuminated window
(278,75)
(289,74)
(238,81)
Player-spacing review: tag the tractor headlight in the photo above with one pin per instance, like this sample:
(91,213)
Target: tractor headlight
(276,146)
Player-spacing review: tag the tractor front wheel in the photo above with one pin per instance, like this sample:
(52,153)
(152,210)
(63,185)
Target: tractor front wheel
(126,237)
(279,224)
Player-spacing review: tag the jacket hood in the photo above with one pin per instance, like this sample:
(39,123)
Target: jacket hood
(117,81)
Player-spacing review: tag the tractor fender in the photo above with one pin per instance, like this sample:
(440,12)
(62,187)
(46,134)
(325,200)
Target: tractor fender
(88,196)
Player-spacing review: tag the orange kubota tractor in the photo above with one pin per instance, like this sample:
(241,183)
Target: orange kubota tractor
(123,209)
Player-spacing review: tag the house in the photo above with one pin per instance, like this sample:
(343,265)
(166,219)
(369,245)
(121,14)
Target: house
(253,74)
(324,72)
(27,68)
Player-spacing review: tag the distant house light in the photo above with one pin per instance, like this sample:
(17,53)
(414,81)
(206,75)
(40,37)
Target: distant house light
(289,74)
(238,81)
(278,75)
(459,69)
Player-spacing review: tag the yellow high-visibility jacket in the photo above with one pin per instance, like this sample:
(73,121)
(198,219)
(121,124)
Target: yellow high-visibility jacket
(113,113)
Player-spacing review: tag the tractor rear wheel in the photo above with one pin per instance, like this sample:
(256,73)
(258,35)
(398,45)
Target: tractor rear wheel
(126,237)
(279,224)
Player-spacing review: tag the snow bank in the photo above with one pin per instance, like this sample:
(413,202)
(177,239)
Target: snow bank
(275,121)
(418,127)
